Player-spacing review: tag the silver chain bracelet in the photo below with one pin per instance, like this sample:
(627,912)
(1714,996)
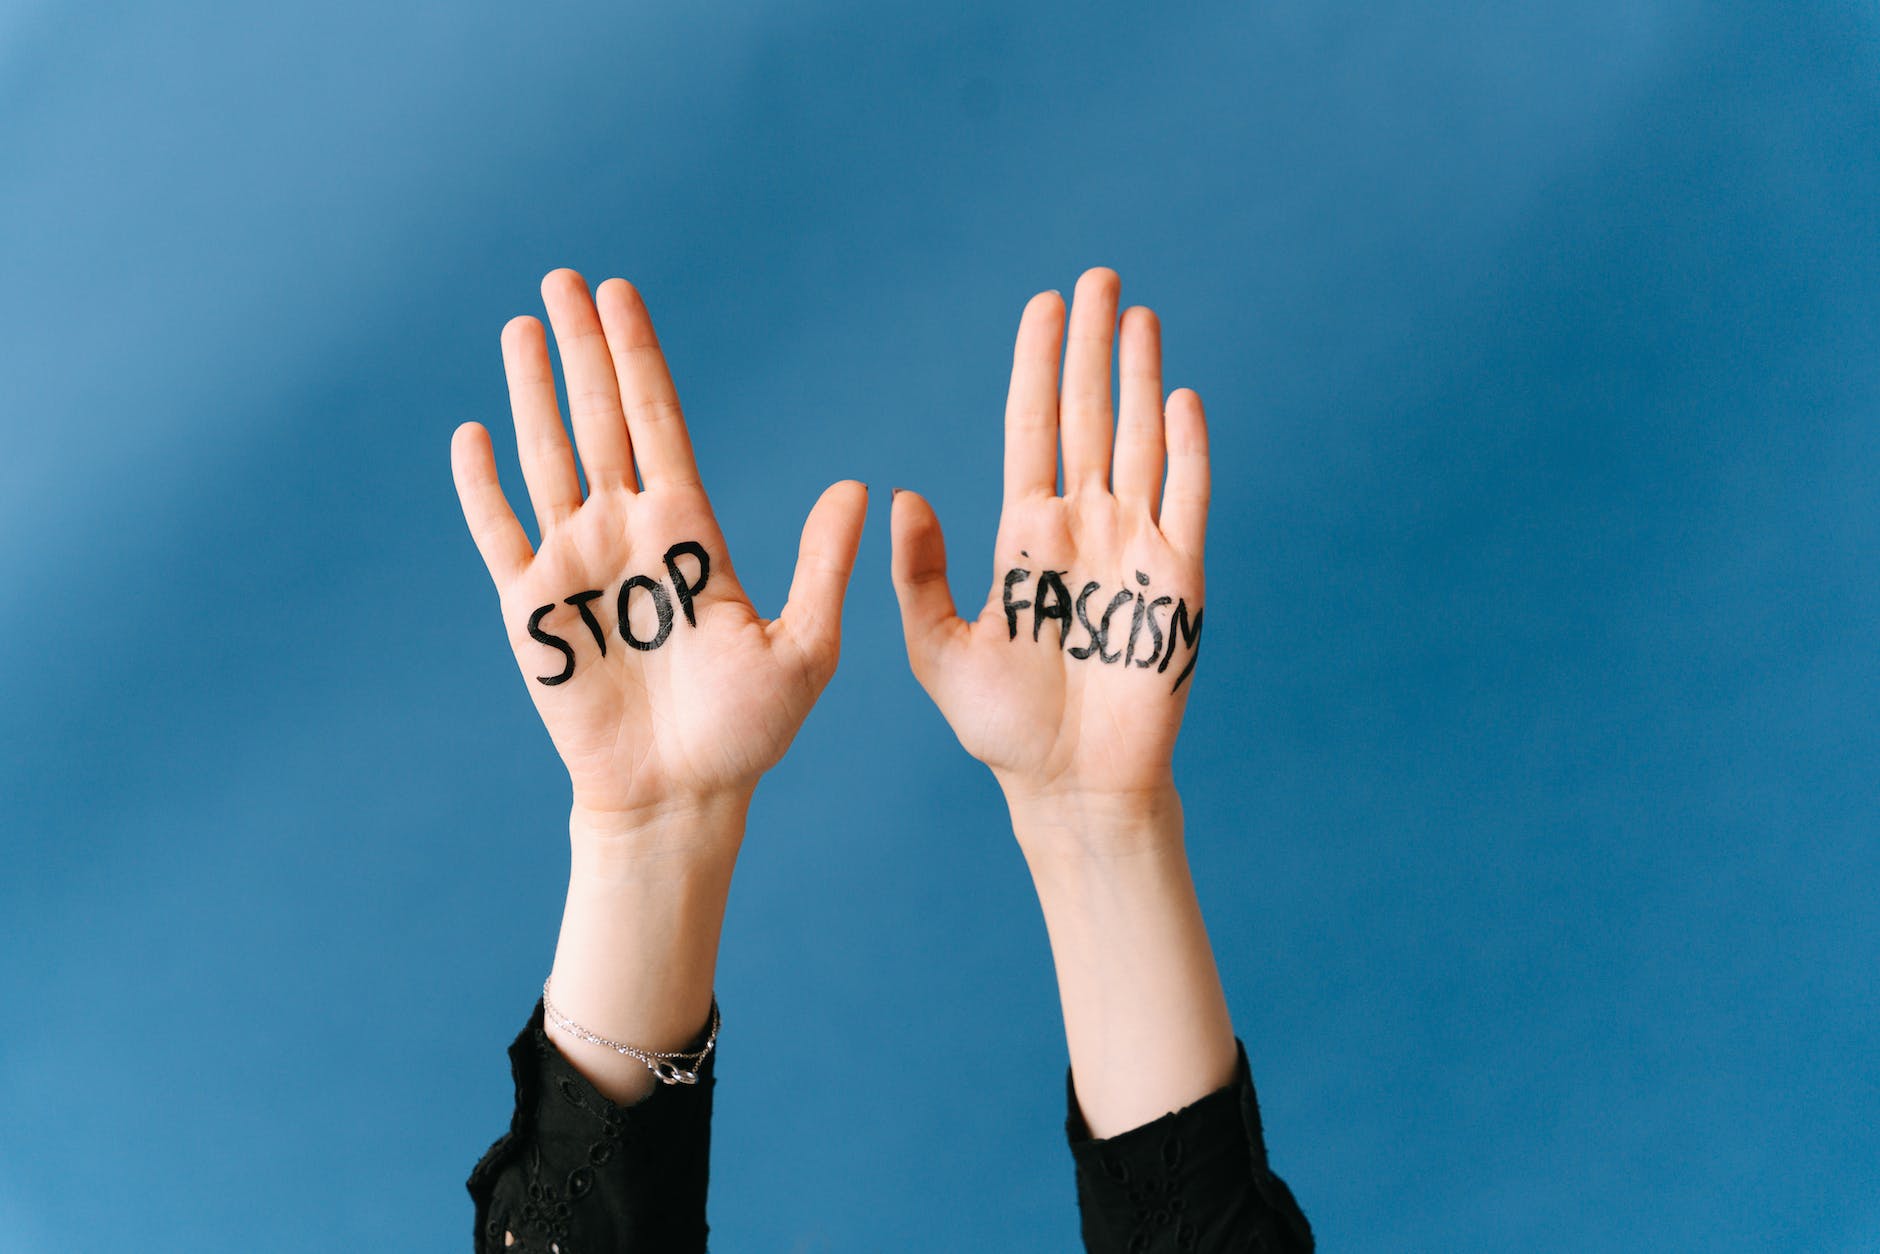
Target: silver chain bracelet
(661,1063)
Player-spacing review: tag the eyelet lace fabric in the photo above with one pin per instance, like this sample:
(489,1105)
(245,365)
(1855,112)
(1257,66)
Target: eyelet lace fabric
(1195,1181)
(578,1174)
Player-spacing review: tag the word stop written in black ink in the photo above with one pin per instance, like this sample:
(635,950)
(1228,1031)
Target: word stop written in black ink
(1052,606)
(684,591)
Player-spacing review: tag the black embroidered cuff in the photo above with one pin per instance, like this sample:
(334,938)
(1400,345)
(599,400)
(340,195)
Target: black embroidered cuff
(578,1174)
(1193,1180)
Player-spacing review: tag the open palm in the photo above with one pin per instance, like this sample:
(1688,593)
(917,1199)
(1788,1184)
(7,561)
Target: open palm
(1075,674)
(656,678)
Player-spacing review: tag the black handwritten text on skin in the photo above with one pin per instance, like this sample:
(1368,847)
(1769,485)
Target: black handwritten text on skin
(1051,603)
(684,591)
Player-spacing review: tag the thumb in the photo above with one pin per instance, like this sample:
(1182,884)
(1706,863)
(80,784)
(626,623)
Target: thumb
(813,613)
(928,619)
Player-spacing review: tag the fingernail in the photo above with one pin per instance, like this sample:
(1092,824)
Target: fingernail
(896,493)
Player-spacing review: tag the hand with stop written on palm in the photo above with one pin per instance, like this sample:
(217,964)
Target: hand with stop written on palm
(668,696)
(1070,684)
(664,691)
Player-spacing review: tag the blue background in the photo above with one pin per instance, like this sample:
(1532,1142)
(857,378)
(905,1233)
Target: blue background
(1530,770)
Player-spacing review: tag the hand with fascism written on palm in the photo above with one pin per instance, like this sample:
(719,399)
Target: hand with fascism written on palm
(667,697)
(1071,681)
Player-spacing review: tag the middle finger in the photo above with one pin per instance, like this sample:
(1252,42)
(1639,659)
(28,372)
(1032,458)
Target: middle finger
(600,428)
(1084,417)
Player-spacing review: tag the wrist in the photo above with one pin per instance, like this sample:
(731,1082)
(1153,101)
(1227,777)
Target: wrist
(637,952)
(1082,822)
(681,835)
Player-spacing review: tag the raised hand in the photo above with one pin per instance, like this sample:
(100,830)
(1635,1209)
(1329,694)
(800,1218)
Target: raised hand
(1072,679)
(1070,685)
(657,680)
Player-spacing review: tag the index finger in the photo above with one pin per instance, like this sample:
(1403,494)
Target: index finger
(1031,404)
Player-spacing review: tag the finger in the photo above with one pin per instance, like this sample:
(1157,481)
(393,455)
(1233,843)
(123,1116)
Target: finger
(1185,501)
(654,423)
(919,569)
(600,428)
(1139,441)
(813,613)
(1031,405)
(541,441)
(499,537)
(1084,416)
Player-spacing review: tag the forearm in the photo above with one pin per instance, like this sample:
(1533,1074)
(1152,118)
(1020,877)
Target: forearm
(1145,1018)
(638,949)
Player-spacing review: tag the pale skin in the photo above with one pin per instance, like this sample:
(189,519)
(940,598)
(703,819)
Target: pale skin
(664,748)
(1082,750)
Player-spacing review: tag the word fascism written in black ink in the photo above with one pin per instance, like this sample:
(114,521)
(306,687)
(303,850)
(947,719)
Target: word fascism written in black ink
(1050,601)
(684,591)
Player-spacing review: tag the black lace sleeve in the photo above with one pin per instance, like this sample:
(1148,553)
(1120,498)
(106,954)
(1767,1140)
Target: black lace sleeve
(1194,1180)
(577,1174)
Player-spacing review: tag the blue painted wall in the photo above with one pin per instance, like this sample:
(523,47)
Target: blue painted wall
(1531,769)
